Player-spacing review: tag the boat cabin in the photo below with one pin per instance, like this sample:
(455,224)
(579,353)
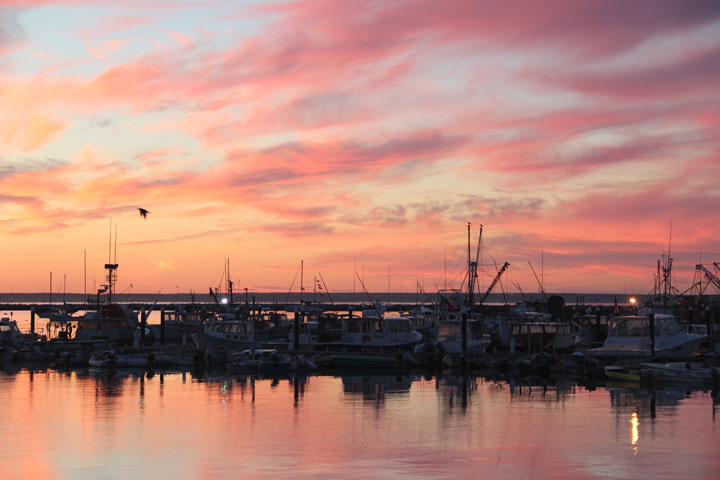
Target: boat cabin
(9,332)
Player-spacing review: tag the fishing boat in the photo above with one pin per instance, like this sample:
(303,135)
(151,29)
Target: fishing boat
(229,331)
(366,333)
(681,372)
(10,334)
(178,323)
(108,325)
(629,336)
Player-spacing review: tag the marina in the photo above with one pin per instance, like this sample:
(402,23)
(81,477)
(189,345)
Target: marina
(308,239)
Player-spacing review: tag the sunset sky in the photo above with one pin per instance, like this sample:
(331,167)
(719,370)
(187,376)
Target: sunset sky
(358,132)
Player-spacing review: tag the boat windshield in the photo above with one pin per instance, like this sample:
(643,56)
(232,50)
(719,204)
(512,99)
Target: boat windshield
(669,325)
(630,327)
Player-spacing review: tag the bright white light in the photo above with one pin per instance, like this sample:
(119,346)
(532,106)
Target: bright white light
(633,300)
(224,301)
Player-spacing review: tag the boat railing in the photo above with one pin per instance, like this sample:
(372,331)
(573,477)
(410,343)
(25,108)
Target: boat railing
(698,329)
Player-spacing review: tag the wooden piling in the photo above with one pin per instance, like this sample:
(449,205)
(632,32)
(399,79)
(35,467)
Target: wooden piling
(32,321)
(143,321)
(651,319)
(296,330)
(464,333)
(162,326)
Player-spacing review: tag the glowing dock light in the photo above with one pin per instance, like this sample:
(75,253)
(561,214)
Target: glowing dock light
(633,301)
(224,301)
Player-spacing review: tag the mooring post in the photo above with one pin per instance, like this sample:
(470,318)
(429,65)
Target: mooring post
(32,321)
(651,319)
(463,326)
(143,320)
(162,325)
(296,330)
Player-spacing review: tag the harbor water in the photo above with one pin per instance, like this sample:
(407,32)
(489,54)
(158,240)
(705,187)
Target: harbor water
(181,425)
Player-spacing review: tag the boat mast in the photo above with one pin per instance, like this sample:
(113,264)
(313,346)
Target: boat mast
(110,267)
(472,269)
(229,282)
(302,287)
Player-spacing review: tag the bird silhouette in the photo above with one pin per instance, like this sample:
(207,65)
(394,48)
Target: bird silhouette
(143,213)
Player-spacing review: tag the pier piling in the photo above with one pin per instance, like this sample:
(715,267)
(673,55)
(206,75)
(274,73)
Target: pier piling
(143,323)
(651,320)
(162,326)
(296,330)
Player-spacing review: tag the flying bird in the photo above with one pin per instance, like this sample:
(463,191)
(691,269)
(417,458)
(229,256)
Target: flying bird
(143,213)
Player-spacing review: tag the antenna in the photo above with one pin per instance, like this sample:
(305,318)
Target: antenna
(110,242)
(302,287)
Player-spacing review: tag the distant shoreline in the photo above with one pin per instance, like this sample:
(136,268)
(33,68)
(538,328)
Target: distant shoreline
(342,297)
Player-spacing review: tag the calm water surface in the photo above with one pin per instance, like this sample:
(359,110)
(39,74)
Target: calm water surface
(85,424)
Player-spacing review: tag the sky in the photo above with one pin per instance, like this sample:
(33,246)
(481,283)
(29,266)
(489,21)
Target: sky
(359,137)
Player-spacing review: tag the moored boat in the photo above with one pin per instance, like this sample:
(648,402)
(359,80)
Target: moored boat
(619,372)
(366,333)
(681,372)
(629,336)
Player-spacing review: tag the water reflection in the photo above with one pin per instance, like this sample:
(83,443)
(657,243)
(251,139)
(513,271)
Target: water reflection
(370,426)
(634,432)
(374,389)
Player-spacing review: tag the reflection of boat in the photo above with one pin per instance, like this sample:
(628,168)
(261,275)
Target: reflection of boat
(630,337)
(369,362)
(681,372)
(622,373)
(374,383)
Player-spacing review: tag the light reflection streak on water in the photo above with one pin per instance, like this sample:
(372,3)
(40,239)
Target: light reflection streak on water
(635,434)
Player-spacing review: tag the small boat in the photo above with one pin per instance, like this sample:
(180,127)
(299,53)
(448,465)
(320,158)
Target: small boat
(619,372)
(247,360)
(274,364)
(681,372)
(132,360)
(103,360)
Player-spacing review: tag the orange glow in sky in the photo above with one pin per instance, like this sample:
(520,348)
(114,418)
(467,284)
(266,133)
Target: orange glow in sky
(358,136)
